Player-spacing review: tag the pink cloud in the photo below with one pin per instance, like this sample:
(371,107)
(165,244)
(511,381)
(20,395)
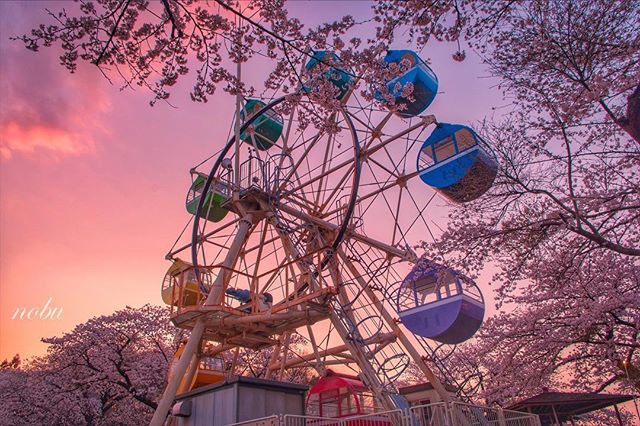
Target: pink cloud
(44,109)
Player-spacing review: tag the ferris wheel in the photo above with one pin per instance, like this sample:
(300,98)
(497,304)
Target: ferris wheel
(297,230)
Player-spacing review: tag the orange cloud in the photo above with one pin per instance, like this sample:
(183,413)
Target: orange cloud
(17,138)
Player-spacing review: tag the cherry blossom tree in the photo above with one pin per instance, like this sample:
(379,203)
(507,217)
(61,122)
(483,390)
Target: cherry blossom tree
(581,60)
(10,364)
(561,224)
(556,59)
(255,363)
(156,44)
(109,370)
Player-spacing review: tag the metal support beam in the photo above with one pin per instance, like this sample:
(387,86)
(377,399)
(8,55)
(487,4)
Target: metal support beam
(404,340)
(214,298)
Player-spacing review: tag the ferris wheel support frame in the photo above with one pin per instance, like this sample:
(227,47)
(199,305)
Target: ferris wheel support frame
(356,352)
(189,357)
(404,340)
(244,227)
(197,332)
(336,351)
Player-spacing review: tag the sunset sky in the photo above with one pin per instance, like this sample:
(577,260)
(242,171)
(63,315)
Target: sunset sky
(93,179)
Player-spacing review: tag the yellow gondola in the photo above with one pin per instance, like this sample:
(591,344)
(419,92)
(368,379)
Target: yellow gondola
(180,285)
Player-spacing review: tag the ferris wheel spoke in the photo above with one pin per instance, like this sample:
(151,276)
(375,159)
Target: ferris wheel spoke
(393,212)
(409,144)
(366,123)
(326,200)
(389,172)
(367,109)
(286,265)
(325,163)
(254,276)
(303,143)
(345,153)
(338,187)
(300,201)
(308,182)
(396,217)
(271,273)
(382,186)
(425,121)
(320,172)
(393,161)
(302,157)
(377,131)
(386,186)
(287,133)
(420,214)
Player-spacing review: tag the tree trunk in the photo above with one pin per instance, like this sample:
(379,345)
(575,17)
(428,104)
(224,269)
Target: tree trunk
(632,121)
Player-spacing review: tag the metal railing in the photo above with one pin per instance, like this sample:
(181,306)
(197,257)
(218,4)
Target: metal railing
(438,414)
(293,420)
(474,415)
(429,415)
(274,420)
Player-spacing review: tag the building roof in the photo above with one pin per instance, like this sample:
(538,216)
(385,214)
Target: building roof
(567,405)
(334,380)
(246,382)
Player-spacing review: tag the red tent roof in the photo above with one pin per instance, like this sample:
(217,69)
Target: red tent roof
(335,380)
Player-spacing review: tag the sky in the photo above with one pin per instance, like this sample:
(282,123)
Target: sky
(93,179)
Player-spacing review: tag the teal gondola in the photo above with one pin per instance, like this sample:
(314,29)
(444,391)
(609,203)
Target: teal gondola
(454,160)
(415,71)
(265,130)
(329,62)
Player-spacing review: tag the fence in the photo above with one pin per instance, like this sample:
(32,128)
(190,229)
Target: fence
(440,414)
(263,421)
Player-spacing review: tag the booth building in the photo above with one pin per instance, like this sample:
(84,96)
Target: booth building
(236,400)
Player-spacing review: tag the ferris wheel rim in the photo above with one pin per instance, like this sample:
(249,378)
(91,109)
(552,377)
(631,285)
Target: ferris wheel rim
(341,230)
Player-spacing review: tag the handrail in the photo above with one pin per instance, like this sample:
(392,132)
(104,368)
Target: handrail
(262,421)
(434,414)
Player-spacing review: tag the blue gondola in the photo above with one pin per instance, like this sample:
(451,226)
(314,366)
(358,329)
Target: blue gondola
(453,161)
(439,303)
(340,78)
(266,129)
(418,73)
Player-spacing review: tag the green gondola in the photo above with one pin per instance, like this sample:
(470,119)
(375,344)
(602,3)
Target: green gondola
(211,209)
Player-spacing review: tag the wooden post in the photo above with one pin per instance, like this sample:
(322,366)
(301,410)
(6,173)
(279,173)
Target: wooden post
(615,407)
(273,358)
(285,350)
(501,419)
(214,298)
(188,378)
(236,189)
(555,415)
